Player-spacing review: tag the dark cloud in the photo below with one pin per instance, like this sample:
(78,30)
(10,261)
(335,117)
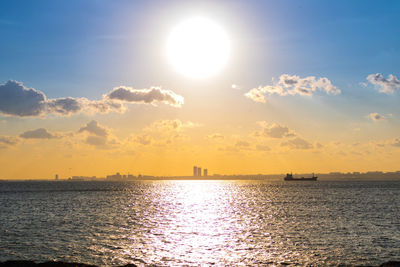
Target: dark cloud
(215,136)
(94,128)
(65,106)
(297,143)
(99,136)
(98,141)
(376,116)
(275,130)
(396,142)
(318,145)
(385,85)
(148,96)
(40,133)
(242,144)
(262,148)
(18,100)
(144,139)
(6,141)
(229,149)
(105,106)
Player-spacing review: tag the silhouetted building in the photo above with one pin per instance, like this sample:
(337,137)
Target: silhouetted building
(116,176)
(195,171)
(205,172)
(56,177)
(199,171)
(78,178)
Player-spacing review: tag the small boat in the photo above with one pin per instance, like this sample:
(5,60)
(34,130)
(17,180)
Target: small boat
(289,177)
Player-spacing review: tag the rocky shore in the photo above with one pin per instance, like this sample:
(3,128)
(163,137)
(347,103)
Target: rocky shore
(50,264)
(74,264)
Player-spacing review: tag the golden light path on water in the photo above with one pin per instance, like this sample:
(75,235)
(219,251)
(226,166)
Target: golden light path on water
(206,222)
(197,221)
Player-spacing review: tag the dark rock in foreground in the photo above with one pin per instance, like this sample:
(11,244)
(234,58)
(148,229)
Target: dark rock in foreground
(50,264)
(390,264)
(74,264)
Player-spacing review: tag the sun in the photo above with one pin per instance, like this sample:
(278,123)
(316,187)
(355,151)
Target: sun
(198,47)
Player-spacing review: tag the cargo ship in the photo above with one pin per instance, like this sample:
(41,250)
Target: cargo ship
(289,177)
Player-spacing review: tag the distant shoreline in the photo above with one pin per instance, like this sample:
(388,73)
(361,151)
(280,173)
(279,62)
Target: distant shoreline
(332,176)
(227,178)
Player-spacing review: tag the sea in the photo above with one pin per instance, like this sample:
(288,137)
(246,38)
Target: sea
(201,223)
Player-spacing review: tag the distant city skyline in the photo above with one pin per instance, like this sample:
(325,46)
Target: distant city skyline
(372,175)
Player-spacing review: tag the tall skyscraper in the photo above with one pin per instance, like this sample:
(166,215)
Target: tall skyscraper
(205,172)
(56,177)
(194,171)
(198,171)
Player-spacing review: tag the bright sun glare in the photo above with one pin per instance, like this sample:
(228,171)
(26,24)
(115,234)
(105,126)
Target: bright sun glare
(198,47)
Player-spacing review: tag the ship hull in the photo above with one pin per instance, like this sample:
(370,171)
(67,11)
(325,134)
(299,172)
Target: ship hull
(301,179)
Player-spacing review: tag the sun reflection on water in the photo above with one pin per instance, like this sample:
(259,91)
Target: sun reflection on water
(194,223)
(197,221)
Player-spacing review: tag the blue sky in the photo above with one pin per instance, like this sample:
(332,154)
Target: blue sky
(64,46)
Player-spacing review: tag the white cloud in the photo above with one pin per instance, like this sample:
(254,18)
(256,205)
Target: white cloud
(385,85)
(376,116)
(292,85)
(257,95)
(18,100)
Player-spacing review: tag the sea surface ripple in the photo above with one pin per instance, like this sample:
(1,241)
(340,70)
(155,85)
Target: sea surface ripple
(193,223)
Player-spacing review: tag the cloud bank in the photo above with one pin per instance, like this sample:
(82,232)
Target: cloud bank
(18,100)
(293,85)
(385,85)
